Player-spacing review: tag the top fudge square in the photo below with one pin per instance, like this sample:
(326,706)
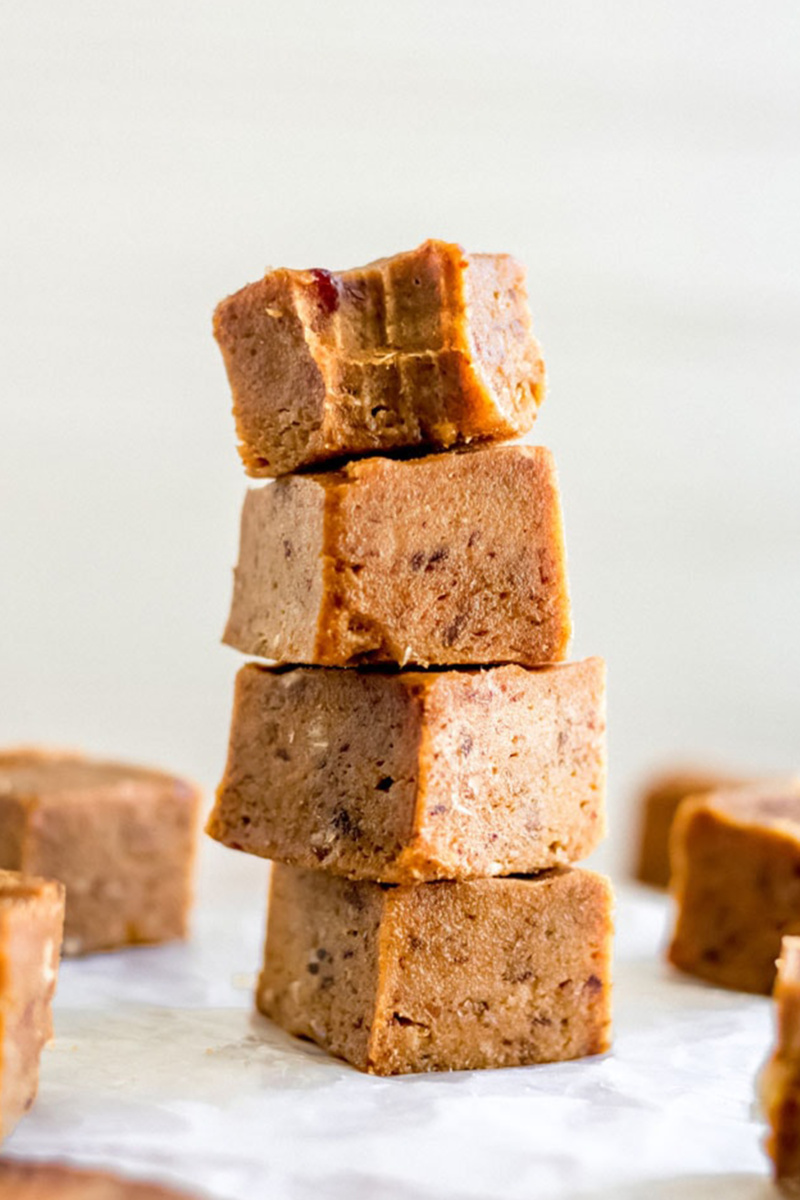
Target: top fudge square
(428,348)
(453,559)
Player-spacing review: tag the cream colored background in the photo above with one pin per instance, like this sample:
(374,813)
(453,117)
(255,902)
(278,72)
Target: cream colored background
(641,158)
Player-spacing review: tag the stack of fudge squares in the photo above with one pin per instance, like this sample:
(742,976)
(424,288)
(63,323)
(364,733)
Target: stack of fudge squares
(417,759)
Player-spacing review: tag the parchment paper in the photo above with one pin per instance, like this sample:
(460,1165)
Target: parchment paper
(160,1069)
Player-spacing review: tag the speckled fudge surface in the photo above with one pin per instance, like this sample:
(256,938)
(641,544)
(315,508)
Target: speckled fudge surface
(412,776)
(780,1080)
(53,1181)
(441,976)
(736,881)
(122,839)
(31,924)
(451,559)
(432,347)
(658,805)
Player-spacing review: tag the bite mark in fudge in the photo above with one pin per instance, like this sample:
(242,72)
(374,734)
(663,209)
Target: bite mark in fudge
(736,879)
(780,1080)
(455,559)
(657,808)
(441,976)
(122,839)
(53,1181)
(31,924)
(429,348)
(412,776)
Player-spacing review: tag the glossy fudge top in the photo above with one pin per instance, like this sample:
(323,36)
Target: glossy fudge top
(773,804)
(35,772)
(16,887)
(432,347)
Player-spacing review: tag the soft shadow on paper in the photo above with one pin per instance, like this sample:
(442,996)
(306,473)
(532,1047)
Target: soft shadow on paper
(689,1187)
(355,1185)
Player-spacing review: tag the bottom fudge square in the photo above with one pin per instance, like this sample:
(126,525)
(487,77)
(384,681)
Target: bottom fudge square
(31,922)
(441,976)
(736,879)
(780,1080)
(121,839)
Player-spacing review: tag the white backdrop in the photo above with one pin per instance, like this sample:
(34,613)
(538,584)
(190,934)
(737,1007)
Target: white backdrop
(641,159)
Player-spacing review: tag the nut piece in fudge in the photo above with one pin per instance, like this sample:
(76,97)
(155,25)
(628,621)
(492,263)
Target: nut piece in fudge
(53,1181)
(429,348)
(122,840)
(447,560)
(658,805)
(441,976)
(780,1079)
(412,776)
(736,880)
(31,925)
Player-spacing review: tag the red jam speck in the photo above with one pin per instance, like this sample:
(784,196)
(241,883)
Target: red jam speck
(327,290)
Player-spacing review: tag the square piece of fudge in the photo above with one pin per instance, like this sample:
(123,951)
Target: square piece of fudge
(441,976)
(780,1080)
(31,925)
(53,1181)
(412,776)
(455,559)
(657,808)
(122,839)
(736,879)
(429,348)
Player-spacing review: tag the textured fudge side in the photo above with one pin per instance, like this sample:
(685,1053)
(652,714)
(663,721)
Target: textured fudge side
(418,775)
(31,925)
(780,1080)
(736,879)
(431,347)
(120,838)
(51,1181)
(658,806)
(448,560)
(441,976)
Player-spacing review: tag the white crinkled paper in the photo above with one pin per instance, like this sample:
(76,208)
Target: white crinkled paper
(161,1069)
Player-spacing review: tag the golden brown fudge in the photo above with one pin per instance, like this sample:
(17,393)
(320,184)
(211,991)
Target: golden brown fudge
(658,805)
(441,976)
(417,775)
(51,1181)
(780,1081)
(452,559)
(429,348)
(121,838)
(736,879)
(31,925)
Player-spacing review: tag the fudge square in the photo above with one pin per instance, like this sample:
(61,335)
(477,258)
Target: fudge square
(454,559)
(780,1080)
(441,976)
(21,1180)
(431,347)
(122,840)
(658,806)
(31,925)
(411,776)
(736,880)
